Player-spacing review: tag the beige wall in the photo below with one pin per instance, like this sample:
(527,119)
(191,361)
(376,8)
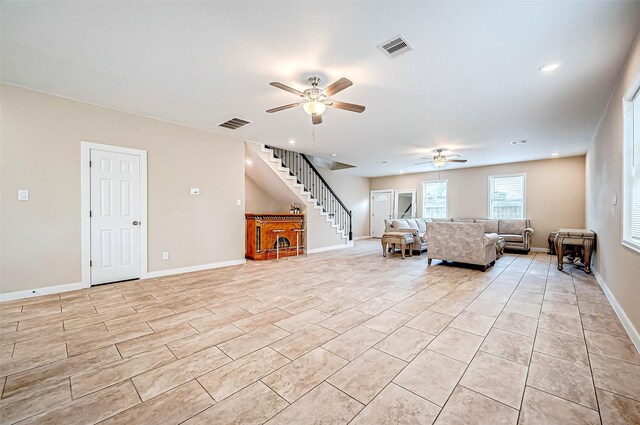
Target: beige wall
(554,192)
(354,192)
(259,201)
(40,148)
(619,266)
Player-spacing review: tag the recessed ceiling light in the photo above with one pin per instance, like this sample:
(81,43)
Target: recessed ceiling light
(334,155)
(550,67)
(555,154)
(401,172)
(292,142)
(249,162)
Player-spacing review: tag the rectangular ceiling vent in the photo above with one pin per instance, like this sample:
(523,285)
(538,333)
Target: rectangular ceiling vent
(234,123)
(396,46)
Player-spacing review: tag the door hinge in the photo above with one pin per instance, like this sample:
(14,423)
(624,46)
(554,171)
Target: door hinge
(90,263)
(90,213)
(89,164)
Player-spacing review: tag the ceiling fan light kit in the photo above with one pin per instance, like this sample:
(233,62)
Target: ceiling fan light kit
(440,160)
(316,100)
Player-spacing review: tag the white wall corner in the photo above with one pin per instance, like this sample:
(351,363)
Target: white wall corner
(624,319)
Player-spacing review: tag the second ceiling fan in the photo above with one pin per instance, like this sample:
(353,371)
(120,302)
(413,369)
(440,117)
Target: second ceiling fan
(440,160)
(316,99)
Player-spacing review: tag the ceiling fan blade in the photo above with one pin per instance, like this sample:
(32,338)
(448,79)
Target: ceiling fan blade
(456,160)
(316,119)
(287,88)
(346,106)
(453,156)
(420,163)
(336,87)
(282,108)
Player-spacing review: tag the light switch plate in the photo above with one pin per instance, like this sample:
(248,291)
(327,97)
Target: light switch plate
(195,191)
(165,255)
(23,195)
(238,201)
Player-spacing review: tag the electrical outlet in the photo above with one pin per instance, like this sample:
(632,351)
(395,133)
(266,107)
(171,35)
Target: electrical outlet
(238,202)
(165,255)
(23,195)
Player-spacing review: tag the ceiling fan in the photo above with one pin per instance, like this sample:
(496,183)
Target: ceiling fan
(440,160)
(316,99)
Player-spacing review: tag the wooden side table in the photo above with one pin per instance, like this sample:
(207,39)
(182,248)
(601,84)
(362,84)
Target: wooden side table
(583,238)
(405,240)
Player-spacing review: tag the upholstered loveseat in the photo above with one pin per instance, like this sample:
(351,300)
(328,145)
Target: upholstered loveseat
(516,233)
(463,242)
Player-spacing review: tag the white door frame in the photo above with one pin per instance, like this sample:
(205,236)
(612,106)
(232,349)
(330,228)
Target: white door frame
(85,205)
(373,192)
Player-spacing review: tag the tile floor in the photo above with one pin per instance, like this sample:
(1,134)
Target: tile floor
(335,338)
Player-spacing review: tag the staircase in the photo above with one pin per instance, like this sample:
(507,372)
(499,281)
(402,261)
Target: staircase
(314,187)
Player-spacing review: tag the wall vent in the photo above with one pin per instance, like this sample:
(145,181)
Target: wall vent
(396,46)
(234,123)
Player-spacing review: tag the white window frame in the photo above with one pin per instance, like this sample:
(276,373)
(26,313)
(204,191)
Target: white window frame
(446,208)
(628,164)
(524,193)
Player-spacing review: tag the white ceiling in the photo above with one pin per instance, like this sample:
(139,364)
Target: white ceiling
(471,84)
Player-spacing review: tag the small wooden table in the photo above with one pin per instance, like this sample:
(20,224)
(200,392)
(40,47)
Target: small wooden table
(405,240)
(582,238)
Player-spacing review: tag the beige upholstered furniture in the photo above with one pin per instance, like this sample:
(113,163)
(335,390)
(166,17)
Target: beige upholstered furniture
(516,233)
(463,242)
(393,239)
(417,227)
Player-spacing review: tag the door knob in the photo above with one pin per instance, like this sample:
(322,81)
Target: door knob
(135,223)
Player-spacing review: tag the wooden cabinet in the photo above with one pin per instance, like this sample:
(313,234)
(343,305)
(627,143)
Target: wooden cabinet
(262,240)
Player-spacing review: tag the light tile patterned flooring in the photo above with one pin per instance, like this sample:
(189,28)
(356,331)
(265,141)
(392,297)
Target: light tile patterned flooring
(336,338)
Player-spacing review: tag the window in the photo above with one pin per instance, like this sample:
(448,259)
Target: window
(434,199)
(506,196)
(631,159)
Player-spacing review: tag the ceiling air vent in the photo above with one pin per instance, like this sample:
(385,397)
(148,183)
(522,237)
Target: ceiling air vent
(234,123)
(396,46)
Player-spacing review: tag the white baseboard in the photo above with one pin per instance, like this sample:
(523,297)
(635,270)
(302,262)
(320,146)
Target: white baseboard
(536,249)
(168,272)
(359,238)
(626,323)
(330,248)
(48,290)
(75,286)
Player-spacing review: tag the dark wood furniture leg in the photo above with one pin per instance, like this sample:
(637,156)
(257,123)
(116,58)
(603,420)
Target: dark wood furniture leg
(559,251)
(587,250)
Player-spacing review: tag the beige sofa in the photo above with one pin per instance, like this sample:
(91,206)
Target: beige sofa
(416,226)
(463,242)
(516,233)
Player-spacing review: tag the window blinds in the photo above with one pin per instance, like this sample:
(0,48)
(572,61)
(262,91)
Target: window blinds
(506,196)
(434,199)
(635,170)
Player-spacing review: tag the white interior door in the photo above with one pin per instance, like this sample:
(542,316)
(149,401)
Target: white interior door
(381,209)
(115,216)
